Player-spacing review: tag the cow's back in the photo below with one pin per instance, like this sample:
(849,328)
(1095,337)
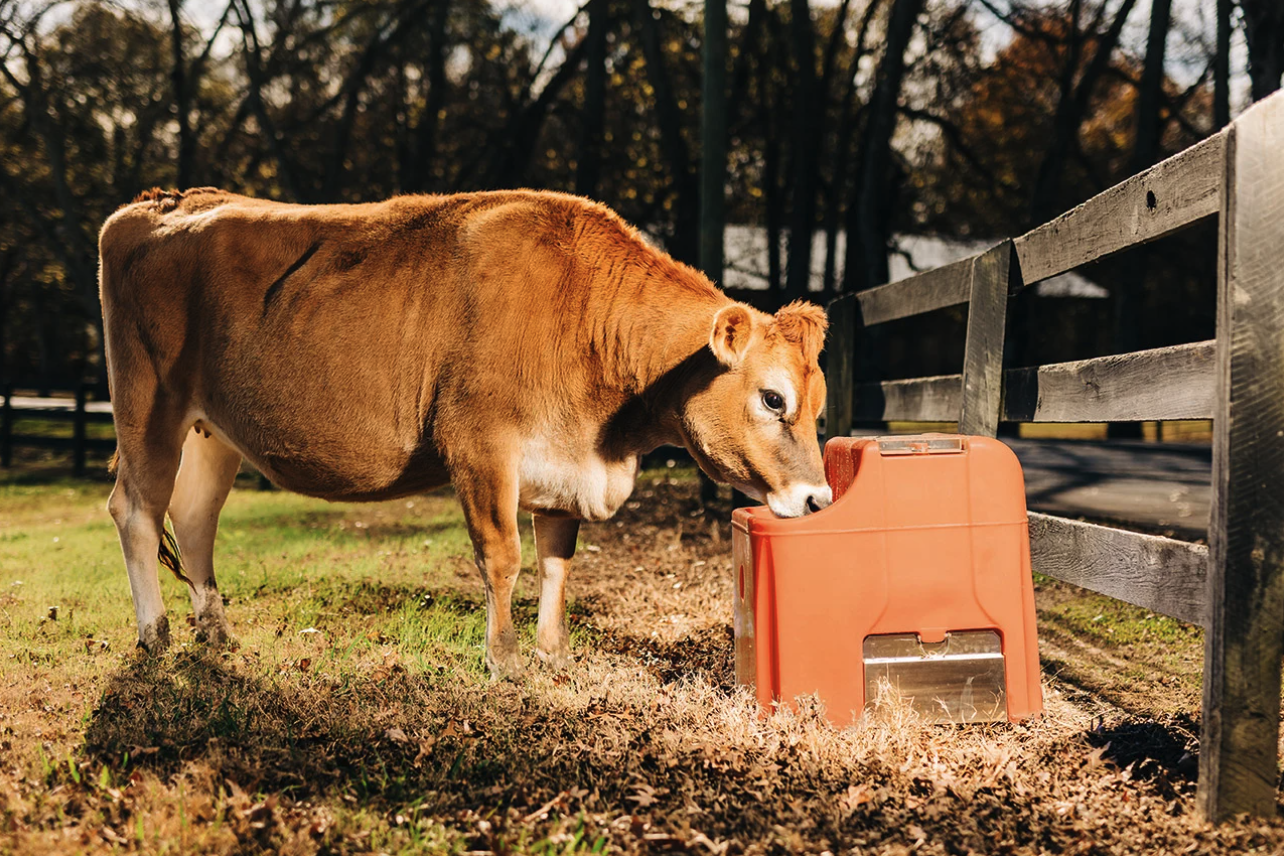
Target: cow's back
(294,330)
(353,350)
(350,350)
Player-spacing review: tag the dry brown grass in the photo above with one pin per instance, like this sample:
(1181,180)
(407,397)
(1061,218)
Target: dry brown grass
(379,731)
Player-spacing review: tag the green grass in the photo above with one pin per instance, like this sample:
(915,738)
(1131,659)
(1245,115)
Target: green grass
(359,600)
(58,547)
(37,427)
(1134,658)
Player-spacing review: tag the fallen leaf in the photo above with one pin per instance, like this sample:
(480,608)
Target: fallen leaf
(425,750)
(857,795)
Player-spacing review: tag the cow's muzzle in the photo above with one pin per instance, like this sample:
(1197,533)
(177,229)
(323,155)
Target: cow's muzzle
(799,499)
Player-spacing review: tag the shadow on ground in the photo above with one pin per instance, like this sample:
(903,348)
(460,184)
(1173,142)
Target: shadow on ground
(706,654)
(447,746)
(1165,749)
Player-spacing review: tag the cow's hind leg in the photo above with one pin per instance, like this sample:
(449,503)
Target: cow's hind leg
(204,480)
(146,463)
(490,506)
(554,547)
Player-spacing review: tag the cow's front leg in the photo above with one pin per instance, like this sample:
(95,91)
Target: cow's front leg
(554,546)
(490,506)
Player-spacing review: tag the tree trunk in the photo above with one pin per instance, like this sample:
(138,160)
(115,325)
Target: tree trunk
(1221,67)
(8,260)
(837,192)
(178,74)
(589,165)
(1150,94)
(767,60)
(1264,32)
(528,120)
(738,101)
(849,116)
(685,242)
(1130,291)
(72,248)
(1072,107)
(713,141)
(288,172)
(868,227)
(806,121)
(354,84)
(44,377)
(775,219)
(422,171)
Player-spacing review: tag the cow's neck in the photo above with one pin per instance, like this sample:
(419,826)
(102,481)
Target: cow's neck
(650,354)
(658,349)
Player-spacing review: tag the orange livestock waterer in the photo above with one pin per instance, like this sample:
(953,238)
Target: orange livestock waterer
(916,580)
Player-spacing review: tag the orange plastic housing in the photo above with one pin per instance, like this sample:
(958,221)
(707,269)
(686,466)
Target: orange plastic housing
(918,540)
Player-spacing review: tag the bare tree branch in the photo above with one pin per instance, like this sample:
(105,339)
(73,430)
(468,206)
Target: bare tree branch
(957,141)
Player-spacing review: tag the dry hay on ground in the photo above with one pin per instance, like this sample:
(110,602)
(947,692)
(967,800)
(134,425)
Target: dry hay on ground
(644,745)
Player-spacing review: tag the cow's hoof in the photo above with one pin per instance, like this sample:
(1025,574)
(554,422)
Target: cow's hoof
(508,666)
(559,659)
(154,638)
(215,633)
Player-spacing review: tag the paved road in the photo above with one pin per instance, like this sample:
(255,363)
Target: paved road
(1164,487)
(1160,486)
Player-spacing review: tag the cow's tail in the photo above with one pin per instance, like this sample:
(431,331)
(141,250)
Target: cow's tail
(169,556)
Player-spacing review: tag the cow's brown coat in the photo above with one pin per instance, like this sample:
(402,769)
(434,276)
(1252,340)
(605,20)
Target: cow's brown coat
(526,346)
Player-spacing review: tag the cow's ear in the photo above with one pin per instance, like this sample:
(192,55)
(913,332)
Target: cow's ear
(732,332)
(803,324)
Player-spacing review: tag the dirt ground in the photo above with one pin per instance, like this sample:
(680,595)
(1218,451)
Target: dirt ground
(338,741)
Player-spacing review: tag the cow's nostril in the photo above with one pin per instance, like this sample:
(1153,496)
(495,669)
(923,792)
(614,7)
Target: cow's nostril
(812,505)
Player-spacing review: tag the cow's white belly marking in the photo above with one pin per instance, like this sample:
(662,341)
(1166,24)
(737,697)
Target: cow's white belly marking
(560,476)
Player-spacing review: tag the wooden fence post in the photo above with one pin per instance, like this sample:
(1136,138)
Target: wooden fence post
(840,361)
(982,392)
(78,432)
(6,428)
(1238,768)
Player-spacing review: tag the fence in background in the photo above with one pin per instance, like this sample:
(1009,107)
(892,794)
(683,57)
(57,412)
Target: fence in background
(1234,587)
(78,411)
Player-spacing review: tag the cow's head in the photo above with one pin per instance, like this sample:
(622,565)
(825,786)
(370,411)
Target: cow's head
(753,423)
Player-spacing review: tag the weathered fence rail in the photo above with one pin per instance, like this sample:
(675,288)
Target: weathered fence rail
(79,411)
(1234,587)
(1177,382)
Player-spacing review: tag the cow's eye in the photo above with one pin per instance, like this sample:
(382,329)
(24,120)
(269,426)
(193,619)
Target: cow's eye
(773,400)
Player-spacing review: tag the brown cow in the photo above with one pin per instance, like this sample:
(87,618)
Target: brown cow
(526,347)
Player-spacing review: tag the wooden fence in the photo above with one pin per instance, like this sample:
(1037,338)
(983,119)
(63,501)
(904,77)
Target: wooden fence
(77,411)
(1234,587)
